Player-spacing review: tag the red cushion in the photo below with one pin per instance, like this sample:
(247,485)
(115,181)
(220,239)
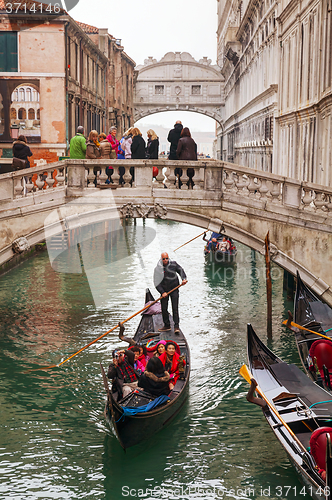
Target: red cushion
(155,171)
(322,350)
(318,445)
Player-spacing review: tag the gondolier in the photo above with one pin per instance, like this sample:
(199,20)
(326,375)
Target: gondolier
(165,279)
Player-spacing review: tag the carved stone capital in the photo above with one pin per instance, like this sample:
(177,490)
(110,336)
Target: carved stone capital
(129,211)
(20,245)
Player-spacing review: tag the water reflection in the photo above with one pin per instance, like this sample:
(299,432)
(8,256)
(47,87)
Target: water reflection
(54,440)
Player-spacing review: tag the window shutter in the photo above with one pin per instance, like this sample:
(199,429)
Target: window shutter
(8,51)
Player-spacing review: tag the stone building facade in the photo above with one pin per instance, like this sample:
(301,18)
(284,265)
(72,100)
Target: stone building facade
(276,60)
(71,73)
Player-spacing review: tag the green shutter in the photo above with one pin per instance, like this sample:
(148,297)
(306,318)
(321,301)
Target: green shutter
(8,51)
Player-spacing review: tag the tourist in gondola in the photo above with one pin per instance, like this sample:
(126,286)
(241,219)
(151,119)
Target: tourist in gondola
(123,372)
(155,378)
(165,279)
(171,360)
(138,365)
(143,355)
(160,348)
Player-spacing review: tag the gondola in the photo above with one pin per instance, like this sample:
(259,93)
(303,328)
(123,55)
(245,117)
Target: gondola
(218,256)
(315,349)
(133,428)
(304,407)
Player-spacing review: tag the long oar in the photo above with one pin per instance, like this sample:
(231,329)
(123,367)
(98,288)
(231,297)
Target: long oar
(245,373)
(291,323)
(106,333)
(192,239)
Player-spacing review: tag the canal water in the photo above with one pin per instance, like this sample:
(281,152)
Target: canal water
(54,441)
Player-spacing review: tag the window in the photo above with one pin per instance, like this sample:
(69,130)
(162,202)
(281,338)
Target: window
(195,89)
(159,89)
(8,51)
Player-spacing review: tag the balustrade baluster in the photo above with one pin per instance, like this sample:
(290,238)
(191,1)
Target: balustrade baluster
(19,187)
(29,185)
(275,192)
(252,187)
(184,180)
(241,185)
(40,182)
(168,175)
(328,203)
(60,177)
(91,177)
(160,178)
(263,189)
(307,199)
(49,179)
(103,176)
(127,176)
(320,201)
(229,180)
(115,176)
(198,178)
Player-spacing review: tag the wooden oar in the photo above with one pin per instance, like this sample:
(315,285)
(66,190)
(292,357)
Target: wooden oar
(104,334)
(245,373)
(189,241)
(291,323)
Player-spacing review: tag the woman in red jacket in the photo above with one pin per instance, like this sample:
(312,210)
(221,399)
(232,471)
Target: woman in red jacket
(171,359)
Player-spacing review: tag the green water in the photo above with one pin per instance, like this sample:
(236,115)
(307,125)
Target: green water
(54,441)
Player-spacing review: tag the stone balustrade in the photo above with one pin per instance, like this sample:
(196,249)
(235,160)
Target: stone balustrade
(228,182)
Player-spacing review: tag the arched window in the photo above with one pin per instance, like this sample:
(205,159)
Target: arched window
(28,95)
(38,114)
(22,95)
(31,114)
(22,114)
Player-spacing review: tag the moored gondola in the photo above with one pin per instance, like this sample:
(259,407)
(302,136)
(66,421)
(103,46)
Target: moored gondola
(299,414)
(130,424)
(312,327)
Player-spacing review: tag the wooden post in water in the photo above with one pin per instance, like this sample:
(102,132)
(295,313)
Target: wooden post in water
(268,285)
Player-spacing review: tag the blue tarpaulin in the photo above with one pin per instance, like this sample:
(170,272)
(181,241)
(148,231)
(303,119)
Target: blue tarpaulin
(142,409)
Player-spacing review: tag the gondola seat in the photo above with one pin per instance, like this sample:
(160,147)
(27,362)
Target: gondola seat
(318,445)
(322,350)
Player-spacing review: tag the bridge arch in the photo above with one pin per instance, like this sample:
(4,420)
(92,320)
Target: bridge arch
(178,83)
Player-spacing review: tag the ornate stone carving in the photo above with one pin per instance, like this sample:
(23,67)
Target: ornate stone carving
(129,210)
(20,245)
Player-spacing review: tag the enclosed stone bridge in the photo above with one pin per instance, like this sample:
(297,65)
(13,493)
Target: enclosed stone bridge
(239,201)
(178,83)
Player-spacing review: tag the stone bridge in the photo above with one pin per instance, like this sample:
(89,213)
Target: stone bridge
(242,202)
(178,83)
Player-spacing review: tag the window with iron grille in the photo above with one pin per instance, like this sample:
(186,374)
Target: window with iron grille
(159,89)
(195,89)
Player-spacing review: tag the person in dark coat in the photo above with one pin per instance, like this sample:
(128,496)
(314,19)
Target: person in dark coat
(21,150)
(138,145)
(174,137)
(152,145)
(155,379)
(187,150)
(165,279)
(123,372)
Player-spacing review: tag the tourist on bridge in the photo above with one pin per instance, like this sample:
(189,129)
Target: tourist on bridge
(126,143)
(114,142)
(174,137)
(165,279)
(187,150)
(78,145)
(105,147)
(152,145)
(92,146)
(138,145)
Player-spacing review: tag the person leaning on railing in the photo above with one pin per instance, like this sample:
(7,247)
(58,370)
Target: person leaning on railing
(78,145)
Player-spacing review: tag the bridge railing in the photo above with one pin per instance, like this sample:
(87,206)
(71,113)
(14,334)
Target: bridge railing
(243,185)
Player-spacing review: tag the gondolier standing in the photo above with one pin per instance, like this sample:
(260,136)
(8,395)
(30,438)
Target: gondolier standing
(165,279)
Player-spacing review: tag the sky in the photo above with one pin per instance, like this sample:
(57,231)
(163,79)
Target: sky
(153,28)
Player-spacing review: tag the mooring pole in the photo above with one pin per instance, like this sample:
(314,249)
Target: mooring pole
(268,285)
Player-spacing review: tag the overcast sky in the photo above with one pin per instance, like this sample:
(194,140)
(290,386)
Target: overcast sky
(153,28)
